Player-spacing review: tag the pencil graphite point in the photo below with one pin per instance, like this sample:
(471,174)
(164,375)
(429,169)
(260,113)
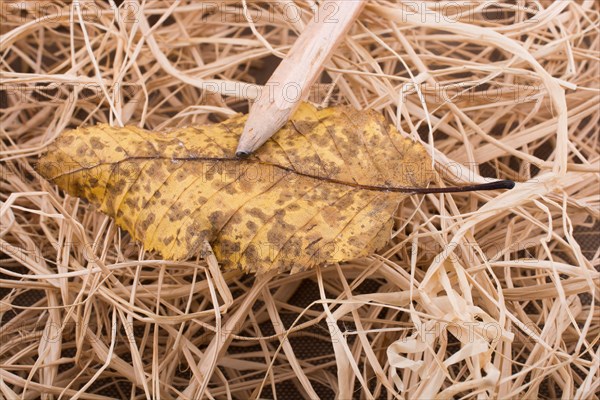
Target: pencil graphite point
(263,121)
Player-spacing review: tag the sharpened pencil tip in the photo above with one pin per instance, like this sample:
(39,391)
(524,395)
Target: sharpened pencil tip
(242,154)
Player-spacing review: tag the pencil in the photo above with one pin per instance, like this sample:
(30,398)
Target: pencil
(291,82)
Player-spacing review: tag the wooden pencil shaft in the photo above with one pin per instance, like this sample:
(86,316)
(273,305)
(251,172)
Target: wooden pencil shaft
(312,49)
(298,71)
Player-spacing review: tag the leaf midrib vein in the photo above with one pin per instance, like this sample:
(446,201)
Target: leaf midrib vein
(396,189)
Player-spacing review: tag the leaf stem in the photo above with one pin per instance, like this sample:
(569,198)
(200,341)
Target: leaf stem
(504,184)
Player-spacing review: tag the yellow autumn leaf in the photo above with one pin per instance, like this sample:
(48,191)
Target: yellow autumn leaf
(314,193)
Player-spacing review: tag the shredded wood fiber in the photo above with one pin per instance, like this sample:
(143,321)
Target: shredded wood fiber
(480,295)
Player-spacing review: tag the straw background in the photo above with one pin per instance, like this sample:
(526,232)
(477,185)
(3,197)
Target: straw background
(479,295)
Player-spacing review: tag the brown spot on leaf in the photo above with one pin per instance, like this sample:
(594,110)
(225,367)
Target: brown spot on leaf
(258,213)
(96,143)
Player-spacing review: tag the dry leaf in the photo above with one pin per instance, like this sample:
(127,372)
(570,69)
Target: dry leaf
(315,193)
